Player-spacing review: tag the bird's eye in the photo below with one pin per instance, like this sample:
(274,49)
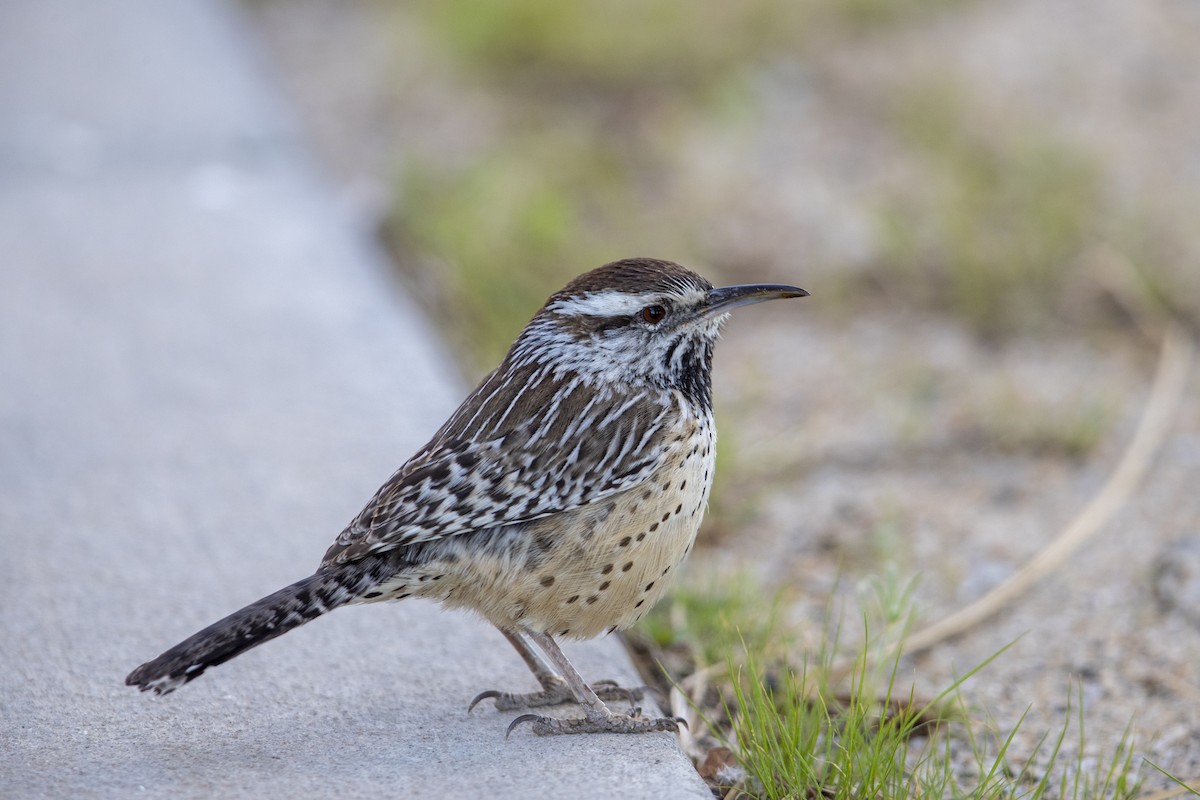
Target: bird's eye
(654,314)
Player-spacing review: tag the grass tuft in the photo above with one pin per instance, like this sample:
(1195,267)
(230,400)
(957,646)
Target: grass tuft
(818,726)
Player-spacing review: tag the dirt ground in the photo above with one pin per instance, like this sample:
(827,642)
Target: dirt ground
(893,435)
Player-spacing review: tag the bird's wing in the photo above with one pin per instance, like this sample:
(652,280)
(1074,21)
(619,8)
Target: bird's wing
(502,460)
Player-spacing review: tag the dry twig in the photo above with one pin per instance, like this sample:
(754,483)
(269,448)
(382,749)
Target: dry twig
(1170,381)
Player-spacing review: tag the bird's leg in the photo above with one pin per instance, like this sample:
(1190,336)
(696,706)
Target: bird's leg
(597,716)
(554,688)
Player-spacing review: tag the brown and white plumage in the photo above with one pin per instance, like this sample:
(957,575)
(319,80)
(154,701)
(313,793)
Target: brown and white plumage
(557,499)
(527,442)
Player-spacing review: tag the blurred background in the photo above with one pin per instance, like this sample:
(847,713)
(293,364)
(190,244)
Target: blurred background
(1002,164)
(993,205)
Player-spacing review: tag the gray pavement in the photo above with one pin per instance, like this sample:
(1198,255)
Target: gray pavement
(205,370)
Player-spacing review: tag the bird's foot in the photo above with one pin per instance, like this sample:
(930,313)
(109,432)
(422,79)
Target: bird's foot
(555,691)
(598,720)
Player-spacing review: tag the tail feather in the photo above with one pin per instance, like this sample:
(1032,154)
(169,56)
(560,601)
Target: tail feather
(258,622)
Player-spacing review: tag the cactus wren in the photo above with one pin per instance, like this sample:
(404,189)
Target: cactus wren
(556,502)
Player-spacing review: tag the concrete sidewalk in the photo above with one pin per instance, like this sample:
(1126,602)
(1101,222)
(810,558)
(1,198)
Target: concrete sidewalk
(204,372)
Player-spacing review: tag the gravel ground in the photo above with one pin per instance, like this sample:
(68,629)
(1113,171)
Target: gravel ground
(886,434)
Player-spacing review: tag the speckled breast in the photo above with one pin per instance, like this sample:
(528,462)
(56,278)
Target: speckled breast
(601,567)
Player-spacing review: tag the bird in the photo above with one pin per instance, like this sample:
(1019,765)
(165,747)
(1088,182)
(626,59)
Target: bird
(556,502)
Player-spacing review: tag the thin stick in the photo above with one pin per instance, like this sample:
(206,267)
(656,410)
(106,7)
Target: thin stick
(1170,381)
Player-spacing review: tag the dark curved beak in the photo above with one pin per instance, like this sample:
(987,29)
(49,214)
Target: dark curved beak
(728,298)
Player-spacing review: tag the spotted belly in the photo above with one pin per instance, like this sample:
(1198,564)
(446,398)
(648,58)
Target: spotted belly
(592,570)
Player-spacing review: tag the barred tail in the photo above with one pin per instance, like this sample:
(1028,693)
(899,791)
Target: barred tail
(258,622)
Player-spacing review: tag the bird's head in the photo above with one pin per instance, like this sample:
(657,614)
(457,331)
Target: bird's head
(639,321)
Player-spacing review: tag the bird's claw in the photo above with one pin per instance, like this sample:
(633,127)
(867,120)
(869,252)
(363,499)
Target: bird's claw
(555,694)
(609,690)
(483,696)
(519,720)
(596,722)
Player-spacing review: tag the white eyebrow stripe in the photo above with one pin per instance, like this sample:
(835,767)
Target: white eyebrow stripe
(605,304)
